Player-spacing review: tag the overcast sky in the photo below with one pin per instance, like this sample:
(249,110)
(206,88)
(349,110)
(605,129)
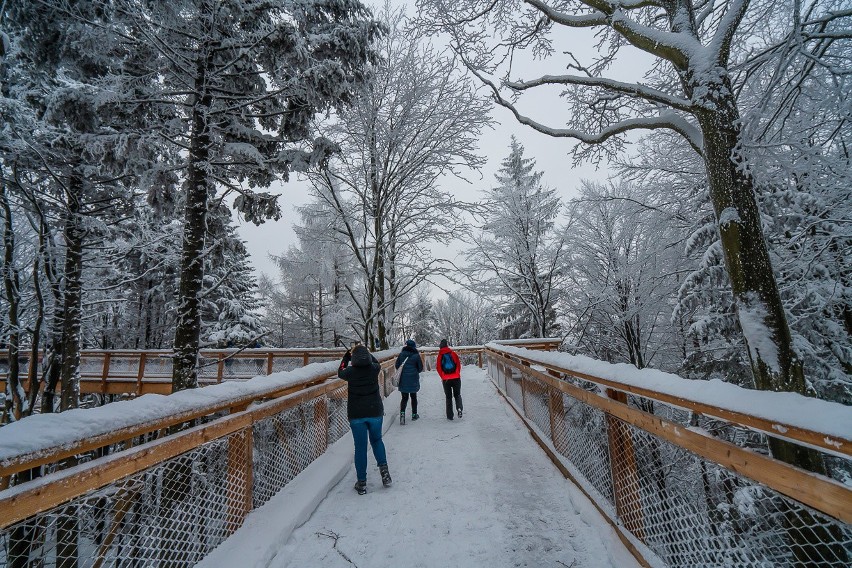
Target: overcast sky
(551,155)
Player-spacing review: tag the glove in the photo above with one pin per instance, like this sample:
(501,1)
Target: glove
(347,357)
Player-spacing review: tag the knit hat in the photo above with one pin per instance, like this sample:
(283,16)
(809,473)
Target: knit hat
(410,343)
(443,343)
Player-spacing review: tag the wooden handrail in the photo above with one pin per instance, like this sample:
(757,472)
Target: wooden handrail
(815,490)
(829,443)
(21,502)
(136,372)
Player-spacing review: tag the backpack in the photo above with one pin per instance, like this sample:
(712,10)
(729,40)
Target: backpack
(447,363)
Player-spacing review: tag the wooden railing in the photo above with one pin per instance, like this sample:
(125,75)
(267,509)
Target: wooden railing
(138,372)
(195,464)
(651,463)
(125,371)
(115,464)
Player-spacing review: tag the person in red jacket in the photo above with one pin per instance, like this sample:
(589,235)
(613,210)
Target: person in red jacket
(449,369)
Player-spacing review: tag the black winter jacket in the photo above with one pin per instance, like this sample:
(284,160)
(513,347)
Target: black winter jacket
(365,399)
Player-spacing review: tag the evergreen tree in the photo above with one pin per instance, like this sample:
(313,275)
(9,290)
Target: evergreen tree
(518,255)
(242,81)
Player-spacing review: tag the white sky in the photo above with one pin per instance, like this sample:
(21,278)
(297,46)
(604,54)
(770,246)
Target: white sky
(551,155)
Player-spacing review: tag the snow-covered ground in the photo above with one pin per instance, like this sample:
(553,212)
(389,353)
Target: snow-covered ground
(472,492)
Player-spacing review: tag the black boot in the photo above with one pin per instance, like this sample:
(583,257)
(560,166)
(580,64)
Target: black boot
(361,487)
(386,478)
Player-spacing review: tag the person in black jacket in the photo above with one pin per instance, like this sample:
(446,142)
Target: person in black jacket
(365,411)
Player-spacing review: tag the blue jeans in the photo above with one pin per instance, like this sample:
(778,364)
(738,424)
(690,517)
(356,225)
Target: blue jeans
(361,428)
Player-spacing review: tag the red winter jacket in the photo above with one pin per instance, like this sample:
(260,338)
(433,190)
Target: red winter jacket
(447,376)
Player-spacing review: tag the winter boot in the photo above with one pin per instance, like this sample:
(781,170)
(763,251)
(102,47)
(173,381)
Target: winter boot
(415,416)
(460,412)
(386,478)
(402,418)
(361,487)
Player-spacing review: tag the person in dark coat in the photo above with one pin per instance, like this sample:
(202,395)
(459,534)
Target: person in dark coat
(449,369)
(409,380)
(365,411)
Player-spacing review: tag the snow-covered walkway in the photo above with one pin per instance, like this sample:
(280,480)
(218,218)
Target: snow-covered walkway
(472,492)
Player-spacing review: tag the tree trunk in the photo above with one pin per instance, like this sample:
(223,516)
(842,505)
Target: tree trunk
(774,362)
(73,298)
(15,403)
(33,376)
(188,328)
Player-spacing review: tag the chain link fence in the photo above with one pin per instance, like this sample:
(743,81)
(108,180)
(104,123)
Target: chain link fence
(689,511)
(174,513)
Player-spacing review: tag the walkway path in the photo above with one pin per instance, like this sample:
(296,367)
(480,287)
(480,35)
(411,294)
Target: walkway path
(471,492)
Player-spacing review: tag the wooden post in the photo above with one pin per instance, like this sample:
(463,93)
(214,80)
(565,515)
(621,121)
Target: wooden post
(105,372)
(556,410)
(305,359)
(240,477)
(523,388)
(220,367)
(625,473)
(321,423)
(141,373)
(480,359)
(269,363)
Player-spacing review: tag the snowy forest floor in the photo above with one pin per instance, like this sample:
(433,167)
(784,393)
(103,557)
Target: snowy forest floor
(471,492)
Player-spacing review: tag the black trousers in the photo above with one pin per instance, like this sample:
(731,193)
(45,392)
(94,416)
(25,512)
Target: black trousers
(404,402)
(452,390)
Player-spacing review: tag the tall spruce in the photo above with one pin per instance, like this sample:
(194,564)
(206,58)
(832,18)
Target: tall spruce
(518,254)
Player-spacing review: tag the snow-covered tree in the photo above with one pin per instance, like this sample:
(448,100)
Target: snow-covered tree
(691,90)
(242,81)
(624,274)
(416,121)
(415,319)
(79,161)
(518,254)
(231,311)
(463,318)
(308,304)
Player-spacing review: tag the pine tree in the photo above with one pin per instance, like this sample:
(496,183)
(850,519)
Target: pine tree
(519,254)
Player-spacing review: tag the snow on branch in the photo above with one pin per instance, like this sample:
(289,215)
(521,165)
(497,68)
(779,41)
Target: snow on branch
(668,120)
(672,46)
(721,44)
(631,89)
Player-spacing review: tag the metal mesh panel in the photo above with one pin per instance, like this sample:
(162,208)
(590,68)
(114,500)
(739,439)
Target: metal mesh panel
(696,513)
(536,403)
(286,443)
(280,364)
(338,422)
(158,366)
(171,514)
(689,511)
(582,439)
(512,385)
(176,512)
(124,365)
(243,367)
(91,365)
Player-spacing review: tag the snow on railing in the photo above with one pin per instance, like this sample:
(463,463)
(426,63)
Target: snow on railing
(681,468)
(162,479)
